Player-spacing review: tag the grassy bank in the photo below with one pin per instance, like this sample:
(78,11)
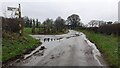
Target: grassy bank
(14,45)
(107,44)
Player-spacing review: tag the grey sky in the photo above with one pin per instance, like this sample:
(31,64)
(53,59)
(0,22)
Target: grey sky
(106,10)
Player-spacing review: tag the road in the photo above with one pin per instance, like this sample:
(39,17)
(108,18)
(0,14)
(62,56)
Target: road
(69,50)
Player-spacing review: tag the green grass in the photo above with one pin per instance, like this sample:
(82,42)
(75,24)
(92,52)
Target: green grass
(42,31)
(28,30)
(107,44)
(17,45)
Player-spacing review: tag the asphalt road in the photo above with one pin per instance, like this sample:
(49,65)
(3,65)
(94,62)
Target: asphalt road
(69,50)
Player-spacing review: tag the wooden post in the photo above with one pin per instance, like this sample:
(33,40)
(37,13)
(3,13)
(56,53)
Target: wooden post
(20,22)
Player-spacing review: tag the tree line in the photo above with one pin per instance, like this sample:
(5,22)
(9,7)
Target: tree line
(50,26)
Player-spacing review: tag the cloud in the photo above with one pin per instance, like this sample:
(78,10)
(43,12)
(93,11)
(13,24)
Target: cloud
(86,9)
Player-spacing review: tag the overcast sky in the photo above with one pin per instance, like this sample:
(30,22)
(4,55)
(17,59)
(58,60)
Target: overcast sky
(106,10)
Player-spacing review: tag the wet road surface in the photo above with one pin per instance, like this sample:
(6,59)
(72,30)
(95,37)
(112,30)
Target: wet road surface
(70,50)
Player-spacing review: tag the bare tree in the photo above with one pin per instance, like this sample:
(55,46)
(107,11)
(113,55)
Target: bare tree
(92,23)
(96,23)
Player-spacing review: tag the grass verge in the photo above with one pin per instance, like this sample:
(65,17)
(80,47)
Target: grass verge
(107,44)
(14,45)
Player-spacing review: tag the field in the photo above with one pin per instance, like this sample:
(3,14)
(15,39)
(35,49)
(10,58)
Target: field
(107,44)
(42,31)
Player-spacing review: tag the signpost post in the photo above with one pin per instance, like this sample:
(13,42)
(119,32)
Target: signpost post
(20,23)
(18,13)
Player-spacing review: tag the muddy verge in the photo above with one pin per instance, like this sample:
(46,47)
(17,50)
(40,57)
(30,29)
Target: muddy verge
(18,58)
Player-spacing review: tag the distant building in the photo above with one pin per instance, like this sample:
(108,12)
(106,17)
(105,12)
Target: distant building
(119,11)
